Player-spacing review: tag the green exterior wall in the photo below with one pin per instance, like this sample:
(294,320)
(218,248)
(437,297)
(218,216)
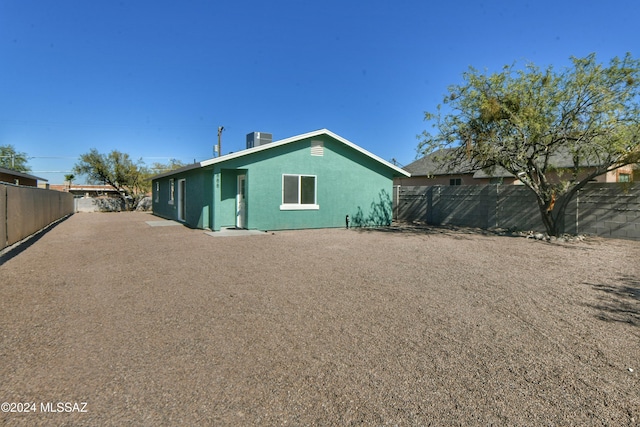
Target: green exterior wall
(198,197)
(348,182)
(225,192)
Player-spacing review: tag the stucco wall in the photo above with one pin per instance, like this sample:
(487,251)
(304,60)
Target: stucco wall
(347,183)
(11,179)
(441,180)
(26,210)
(198,193)
(468,179)
(3,216)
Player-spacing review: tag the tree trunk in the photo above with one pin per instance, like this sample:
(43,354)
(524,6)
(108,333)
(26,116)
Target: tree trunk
(552,219)
(547,219)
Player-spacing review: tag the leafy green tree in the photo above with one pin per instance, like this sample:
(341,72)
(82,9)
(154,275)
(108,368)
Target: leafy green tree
(525,120)
(173,164)
(117,170)
(157,168)
(12,159)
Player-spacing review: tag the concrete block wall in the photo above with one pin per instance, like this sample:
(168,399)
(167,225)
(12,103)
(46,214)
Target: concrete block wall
(87,204)
(453,205)
(608,210)
(98,204)
(411,203)
(469,206)
(517,209)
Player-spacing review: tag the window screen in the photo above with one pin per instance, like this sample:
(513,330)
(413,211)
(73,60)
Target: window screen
(299,189)
(290,191)
(308,190)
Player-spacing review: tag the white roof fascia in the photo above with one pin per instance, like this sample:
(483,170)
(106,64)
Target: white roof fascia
(298,138)
(179,170)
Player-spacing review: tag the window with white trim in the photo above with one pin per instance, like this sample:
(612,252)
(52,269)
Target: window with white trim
(299,192)
(172,191)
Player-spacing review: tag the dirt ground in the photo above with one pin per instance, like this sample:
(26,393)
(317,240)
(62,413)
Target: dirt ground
(170,326)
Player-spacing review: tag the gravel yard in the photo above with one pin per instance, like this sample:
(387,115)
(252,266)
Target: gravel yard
(170,326)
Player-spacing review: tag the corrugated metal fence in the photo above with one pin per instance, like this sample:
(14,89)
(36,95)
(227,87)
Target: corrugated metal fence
(608,210)
(26,210)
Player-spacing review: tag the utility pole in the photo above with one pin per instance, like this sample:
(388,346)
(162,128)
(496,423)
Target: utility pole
(220,129)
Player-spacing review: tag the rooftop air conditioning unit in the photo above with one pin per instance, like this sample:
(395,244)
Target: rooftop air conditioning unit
(255,139)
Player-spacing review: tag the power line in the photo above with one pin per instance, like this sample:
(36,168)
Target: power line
(52,157)
(142,157)
(136,125)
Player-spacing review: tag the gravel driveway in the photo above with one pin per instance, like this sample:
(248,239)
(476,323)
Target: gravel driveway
(170,326)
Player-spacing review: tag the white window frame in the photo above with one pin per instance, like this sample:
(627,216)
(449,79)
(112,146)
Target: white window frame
(172,191)
(299,206)
(157,191)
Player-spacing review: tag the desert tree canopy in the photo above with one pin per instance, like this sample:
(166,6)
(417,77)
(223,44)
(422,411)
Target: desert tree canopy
(12,159)
(526,119)
(116,169)
(132,179)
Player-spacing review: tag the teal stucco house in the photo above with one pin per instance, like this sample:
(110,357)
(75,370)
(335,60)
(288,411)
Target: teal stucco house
(312,180)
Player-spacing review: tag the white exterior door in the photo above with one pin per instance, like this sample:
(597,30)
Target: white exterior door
(241,206)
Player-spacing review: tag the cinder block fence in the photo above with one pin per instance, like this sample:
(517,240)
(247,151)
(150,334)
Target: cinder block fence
(608,210)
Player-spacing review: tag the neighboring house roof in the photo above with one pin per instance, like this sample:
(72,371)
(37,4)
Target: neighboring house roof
(281,142)
(20,174)
(432,165)
(83,188)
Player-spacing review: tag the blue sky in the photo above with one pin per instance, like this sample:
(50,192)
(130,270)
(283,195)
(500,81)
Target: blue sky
(155,79)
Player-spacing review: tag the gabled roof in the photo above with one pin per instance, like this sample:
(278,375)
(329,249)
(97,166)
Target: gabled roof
(20,174)
(432,165)
(282,142)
